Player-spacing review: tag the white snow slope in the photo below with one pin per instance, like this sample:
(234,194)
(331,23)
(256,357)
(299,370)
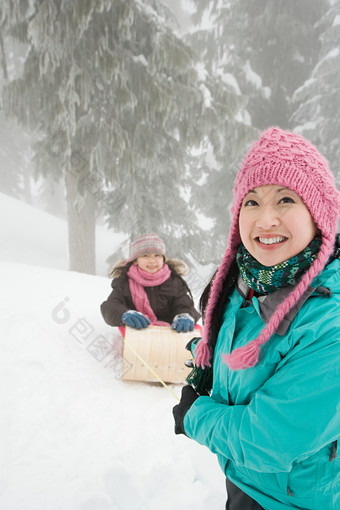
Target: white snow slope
(32,236)
(73,436)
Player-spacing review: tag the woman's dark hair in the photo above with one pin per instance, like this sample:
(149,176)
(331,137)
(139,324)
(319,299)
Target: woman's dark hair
(227,289)
(201,379)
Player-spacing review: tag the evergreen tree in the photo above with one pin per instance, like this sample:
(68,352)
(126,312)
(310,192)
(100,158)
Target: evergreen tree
(227,107)
(317,102)
(114,96)
(262,51)
(269,48)
(14,155)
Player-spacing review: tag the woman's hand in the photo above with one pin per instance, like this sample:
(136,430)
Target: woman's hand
(188,397)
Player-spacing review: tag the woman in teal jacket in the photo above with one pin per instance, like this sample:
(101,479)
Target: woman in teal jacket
(265,390)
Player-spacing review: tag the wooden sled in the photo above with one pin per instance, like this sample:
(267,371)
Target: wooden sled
(162,348)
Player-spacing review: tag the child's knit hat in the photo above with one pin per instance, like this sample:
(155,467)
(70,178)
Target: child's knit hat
(146,243)
(285,159)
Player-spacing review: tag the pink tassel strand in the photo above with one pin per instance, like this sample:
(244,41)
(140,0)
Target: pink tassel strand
(202,355)
(243,357)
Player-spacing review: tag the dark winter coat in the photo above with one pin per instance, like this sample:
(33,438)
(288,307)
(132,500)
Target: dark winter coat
(166,300)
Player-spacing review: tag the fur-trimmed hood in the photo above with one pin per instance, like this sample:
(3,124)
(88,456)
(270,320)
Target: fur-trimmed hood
(176,265)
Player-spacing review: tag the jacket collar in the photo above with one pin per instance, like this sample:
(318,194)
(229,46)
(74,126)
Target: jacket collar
(269,302)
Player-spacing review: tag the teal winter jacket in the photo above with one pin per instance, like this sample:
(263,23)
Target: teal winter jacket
(274,427)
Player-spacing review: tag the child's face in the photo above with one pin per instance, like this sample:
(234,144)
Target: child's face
(275,224)
(151,262)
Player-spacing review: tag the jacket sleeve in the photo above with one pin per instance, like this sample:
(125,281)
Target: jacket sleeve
(294,414)
(183,302)
(116,304)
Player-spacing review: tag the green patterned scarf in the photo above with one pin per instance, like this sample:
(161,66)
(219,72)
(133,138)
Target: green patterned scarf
(266,279)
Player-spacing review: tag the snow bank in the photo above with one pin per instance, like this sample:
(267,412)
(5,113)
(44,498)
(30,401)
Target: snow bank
(32,236)
(73,436)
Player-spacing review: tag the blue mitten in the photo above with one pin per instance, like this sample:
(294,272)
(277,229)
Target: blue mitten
(135,319)
(183,322)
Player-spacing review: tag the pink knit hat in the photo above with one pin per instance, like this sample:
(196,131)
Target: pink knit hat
(146,243)
(285,159)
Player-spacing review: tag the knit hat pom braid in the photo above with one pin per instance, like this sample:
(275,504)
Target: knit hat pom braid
(202,351)
(285,159)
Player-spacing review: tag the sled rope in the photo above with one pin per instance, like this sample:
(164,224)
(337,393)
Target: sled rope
(151,369)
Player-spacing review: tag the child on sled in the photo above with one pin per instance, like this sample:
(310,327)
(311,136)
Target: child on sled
(149,289)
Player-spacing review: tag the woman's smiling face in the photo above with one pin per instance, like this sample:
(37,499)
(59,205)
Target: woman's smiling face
(275,224)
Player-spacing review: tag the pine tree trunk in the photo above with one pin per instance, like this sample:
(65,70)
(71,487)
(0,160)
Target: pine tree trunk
(3,59)
(81,226)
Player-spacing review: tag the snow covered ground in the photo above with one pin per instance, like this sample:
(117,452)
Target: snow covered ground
(73,436)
